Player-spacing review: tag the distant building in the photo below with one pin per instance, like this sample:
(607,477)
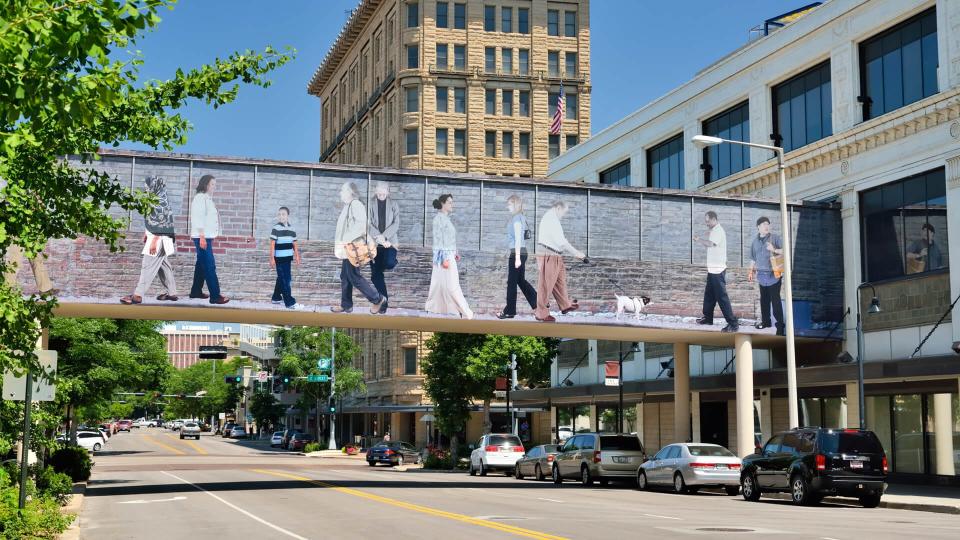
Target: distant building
(185,338)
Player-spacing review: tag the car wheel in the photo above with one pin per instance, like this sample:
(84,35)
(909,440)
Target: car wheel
(483,470)
(372,463)
(585,477)
(555,473)
(97,447)
(679,486)
(516,472)
(399,461)
(471,470)
(538,473)
(181,436)
(419,460)
(642,484)
(748,487)
(732,490)
(800,490)
(870,501)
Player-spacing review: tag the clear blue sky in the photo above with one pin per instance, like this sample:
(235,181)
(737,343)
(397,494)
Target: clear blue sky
(640,50)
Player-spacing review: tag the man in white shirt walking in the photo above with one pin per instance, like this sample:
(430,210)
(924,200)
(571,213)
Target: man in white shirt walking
(716,290)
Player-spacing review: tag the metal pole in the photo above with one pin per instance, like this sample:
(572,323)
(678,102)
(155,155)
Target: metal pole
(860,403)
(620,407)
(509,410)
(25,452)
(792,402)
(332,444)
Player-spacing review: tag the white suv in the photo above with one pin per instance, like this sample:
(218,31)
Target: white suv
(496,451)
(190,429)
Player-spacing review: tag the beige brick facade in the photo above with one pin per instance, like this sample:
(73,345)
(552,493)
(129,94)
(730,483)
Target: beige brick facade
(365,81)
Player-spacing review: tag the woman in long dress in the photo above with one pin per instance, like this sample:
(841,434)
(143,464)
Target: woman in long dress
(445,294)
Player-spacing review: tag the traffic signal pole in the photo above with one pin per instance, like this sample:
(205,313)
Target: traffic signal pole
(332,444)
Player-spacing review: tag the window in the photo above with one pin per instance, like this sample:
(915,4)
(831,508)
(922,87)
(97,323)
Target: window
(524,61)
(572,140)
(554,146)
(441,141)
(571,103)
(506,19)
(442,12)
(460,16)
(726,159)
(570,23)
(570,66)
(524,103)
(410,356)
(553,22)
(489,19)
(413,99)
(506,60)
(490,143)
(413,56)
(507,144)
(618,175)
(412,141)
(552,98)
(899,66)
(490,59)
(459,57)
(442,93)
(802,109)
(413,15)
(665,164)
(442,50)
(459,142)
(523,20)
(524,146)
(491,101)
(460,100)
(790,444)
(904,226)
(507,105)
(553,63)
(390,26)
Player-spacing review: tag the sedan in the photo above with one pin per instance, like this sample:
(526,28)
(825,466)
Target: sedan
(536,460)
(394,453)
(298,441)
(689,466)
(276,439)
(238,433)
(90,440)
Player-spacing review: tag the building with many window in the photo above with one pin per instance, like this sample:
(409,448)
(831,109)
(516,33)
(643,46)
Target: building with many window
(864,97)
(184,340)
(463,86)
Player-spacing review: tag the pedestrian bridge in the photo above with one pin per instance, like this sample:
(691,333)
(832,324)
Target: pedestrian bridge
(639,242)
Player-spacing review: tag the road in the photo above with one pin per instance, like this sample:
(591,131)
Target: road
(149,484)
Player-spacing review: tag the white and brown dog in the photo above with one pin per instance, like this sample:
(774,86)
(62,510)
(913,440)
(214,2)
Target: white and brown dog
(633,305)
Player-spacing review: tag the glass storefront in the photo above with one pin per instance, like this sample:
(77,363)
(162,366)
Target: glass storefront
(572,419)
(824,412)
(904,424)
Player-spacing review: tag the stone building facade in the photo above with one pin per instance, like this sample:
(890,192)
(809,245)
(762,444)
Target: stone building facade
(467,86)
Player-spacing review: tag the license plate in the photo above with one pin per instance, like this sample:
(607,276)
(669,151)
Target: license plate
(722,467)
(856,464)
(621,459)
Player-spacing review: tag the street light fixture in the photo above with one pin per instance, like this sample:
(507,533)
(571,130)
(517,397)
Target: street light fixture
(703,141)
(634,348)
(874,308)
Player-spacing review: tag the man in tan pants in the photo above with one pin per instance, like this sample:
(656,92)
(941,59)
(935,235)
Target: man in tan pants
(15,257)
(551,270)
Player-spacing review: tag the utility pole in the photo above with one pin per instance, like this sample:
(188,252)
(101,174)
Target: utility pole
(332,444)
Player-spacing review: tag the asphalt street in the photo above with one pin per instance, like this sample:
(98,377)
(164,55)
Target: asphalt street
(150,484)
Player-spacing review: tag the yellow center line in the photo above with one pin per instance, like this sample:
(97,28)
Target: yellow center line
(418,508)
(168,447)
(191,444)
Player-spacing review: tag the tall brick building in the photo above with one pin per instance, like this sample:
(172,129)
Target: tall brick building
(468,86)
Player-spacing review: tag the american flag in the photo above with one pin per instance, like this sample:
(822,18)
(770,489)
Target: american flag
(557,124)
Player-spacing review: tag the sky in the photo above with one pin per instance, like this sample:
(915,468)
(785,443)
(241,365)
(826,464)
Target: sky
(640,49)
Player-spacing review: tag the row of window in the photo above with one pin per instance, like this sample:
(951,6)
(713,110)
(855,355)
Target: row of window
(507,23)
(897,67)
(409,363)
(505,148)
(507,102)
(506,20)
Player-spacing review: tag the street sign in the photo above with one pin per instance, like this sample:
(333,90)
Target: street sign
(611,374)
(212,352)
(324,363)
(262,376)
(14,388)
(500,393)
(318,378)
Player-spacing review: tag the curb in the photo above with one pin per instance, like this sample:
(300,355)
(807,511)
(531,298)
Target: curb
(74,507)
(893,505)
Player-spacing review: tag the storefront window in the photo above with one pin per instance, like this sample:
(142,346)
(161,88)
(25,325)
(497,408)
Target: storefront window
(810,412)
(878,420)
(607,419)
(908,434)
(572,419)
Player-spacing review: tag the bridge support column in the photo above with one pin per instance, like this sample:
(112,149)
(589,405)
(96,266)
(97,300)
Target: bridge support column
(744,367)
(943,433)
(695,416)
(681,392)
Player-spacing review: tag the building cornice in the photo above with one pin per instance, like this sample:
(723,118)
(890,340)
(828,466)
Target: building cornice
(348,35)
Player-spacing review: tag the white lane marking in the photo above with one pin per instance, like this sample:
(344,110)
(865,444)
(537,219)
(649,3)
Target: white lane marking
(662,517)
(549,500)
(828,538)
(142,501)
(238,509)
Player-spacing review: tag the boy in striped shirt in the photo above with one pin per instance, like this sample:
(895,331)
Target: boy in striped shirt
(283,251)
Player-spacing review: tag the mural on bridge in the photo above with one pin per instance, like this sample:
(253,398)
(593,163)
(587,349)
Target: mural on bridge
(308,237)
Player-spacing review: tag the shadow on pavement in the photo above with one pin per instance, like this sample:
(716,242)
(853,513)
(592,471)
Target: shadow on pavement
(120,452)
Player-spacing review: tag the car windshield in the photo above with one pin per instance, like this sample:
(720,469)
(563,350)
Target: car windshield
(504,440)
(388,444)
(850,442)
(190,424)
(708,450)
(277,433)
(551,448)
(620,442)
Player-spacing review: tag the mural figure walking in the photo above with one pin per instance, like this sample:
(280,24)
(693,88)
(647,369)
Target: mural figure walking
(552,272)
(518,235)
(716,289)
(353,247)
(766,267)
(204,230)
(445,295)
(283,252)
(384,226)
(158,247)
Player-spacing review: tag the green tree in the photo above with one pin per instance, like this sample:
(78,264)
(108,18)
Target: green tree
(265,409)
(209,376)
(70,85)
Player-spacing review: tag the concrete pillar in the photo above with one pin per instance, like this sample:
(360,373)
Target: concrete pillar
(850,224)
(555,371)
(639,425)
(744,347)
(681,392)
(853,406)
(593,417)
(554,436)
(943,433)
(593,372)
(953,228)
(695,416)
(766,414)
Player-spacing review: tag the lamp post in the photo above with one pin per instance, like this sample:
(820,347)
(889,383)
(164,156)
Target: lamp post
(634,348)
(874,308)
(703,141)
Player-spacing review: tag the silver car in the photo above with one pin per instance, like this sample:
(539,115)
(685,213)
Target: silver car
(689,466)
(536,460)
(598,456)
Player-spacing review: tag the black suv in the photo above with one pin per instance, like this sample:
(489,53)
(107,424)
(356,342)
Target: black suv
(812,463)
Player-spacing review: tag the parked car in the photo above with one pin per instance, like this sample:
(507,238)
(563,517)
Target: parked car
(124,425)
(276,439)
(109,427)
(190,429)
(287,435)
(598,456)
(564,433)
(177,424)
(496,451)
(299,440)
(226,429)
(689,466)
(536,460)
(91,440)
(394,453)
(811,463)
(237,432)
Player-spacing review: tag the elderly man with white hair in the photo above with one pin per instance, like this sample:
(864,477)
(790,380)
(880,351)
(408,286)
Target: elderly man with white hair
(384,225)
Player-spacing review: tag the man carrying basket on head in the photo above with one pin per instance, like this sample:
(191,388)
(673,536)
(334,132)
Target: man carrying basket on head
(354,248)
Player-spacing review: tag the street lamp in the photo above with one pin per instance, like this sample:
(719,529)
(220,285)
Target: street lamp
(703,141)
(634,348)
(874,308)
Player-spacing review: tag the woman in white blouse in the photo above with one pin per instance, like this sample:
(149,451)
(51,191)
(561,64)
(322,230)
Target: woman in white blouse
(445,294)
(204,229)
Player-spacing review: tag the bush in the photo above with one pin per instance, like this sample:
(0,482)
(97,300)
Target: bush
(40,519)
(72,461)
(55,485)
(311,447)
(438,459)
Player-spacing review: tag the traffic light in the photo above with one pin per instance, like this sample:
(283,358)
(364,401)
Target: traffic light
(333,405)
(233,379)
(213,352)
